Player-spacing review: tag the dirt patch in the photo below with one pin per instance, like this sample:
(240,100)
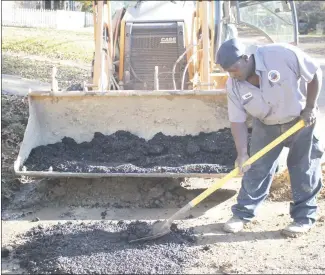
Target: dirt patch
(14,116)
(316,50)
(313,45)
(311,39)
(124,152)
(111,194)
(281,188)
(103,247)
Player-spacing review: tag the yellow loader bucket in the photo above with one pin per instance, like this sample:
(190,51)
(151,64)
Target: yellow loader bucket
(127,133)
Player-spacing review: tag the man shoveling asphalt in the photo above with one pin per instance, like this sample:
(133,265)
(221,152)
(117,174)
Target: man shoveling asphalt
(266,85)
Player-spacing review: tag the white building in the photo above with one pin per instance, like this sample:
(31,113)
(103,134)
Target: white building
(44,4)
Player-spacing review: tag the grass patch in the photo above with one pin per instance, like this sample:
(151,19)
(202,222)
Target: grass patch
(42,71)
(57,44)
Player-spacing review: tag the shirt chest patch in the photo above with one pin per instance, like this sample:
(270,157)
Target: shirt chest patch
(274,76)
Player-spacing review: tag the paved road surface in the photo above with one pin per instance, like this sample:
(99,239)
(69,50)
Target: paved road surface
(12,84)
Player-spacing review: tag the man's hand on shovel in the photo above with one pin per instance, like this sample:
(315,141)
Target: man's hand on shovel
(308,115)
(241,159)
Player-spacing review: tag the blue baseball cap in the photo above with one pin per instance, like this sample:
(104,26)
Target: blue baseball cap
(230,52)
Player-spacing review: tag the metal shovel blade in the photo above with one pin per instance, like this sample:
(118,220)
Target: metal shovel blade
(158,230)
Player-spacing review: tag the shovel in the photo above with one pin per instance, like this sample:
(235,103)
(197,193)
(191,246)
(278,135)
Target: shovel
(162,228)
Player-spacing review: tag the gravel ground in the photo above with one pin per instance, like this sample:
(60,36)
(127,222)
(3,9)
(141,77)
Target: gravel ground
(124,152)
(103,247)
(259,249)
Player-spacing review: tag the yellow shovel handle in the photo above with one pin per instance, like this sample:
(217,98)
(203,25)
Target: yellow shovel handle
(299,125)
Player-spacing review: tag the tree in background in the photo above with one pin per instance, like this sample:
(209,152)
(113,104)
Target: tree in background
(313,11)
(58,5)
(86,5)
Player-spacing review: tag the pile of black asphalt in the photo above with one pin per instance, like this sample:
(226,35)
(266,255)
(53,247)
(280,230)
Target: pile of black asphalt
(104,248)
(123,152)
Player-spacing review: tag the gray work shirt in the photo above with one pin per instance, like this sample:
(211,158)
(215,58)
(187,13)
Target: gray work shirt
(281,67)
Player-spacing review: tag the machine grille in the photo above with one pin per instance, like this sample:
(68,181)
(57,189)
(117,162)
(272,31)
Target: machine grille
(150,45)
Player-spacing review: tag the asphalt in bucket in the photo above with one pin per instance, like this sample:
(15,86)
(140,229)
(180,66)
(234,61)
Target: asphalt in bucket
(103,247)
(123,152)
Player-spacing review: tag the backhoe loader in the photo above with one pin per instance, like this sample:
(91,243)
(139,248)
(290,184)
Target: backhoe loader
(154,73)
